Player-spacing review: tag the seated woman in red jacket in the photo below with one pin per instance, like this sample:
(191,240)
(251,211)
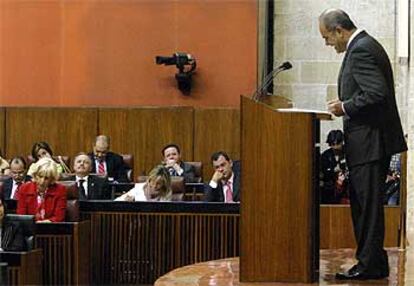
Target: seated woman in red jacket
(43,197)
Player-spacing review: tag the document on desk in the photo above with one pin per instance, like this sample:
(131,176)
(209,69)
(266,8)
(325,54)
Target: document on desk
(322,114)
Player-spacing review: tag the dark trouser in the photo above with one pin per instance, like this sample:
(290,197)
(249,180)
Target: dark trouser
(366,196)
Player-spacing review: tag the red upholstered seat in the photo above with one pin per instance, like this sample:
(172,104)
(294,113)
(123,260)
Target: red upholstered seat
(198,167)
(129,165)
(72,196)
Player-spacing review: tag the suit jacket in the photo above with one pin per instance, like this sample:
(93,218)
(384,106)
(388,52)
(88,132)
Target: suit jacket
(98,188)
(115,167)
(188,172)
(372,126)
(55,202)
(12,237)
(8,185)
(216,195)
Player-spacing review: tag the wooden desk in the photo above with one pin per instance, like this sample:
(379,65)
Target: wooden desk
(135,243)
(24,268)
(66,252)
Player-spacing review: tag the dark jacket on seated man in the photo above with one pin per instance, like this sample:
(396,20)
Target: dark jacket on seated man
(8,186)
(214,191)
(115,167)
(188,172)
(95,187)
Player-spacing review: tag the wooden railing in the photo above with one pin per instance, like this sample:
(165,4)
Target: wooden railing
(138,242)
(66,256)
(23,267)
(135,243)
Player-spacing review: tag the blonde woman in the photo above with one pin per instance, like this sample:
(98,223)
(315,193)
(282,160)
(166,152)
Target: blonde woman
(43,197)
(156,188)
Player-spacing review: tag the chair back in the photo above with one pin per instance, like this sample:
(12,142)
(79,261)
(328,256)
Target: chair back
(72,204)
(4,177)
(27,226)
(198,170)
(129,165)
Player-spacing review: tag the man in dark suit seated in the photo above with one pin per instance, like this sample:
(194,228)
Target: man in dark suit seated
(105,162)
(18,176)
(90,187)
(176,167)
(224,186)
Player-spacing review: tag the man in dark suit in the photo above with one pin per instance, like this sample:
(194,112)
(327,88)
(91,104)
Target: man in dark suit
(373,133)
(176,167)
(90,187)
(107,163)
(17,177)
(224,186)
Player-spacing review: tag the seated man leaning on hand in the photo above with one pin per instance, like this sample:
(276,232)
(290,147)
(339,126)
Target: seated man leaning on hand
(176,167)
(224,186)
(90,187)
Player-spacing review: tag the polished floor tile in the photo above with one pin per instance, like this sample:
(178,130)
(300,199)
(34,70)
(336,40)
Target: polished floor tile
(225,272)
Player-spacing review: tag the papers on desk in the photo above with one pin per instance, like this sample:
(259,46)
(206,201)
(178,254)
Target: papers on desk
(321,114)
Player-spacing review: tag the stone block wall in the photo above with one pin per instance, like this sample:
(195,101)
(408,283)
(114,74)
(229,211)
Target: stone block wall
(312,80)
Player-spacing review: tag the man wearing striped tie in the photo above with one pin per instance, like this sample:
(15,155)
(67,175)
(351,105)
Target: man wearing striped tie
(224,185)
(106,162)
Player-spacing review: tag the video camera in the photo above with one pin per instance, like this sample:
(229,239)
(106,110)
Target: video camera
(186,65)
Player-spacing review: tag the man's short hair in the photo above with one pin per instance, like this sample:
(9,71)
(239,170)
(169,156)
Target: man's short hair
(18,160)
(103,138)
(335,137)
(170,146)
(79,154)
(333,18)
(217,154)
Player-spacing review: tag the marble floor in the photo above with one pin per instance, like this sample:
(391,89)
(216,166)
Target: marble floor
(225,272)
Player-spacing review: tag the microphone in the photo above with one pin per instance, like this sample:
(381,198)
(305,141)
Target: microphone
(269,78)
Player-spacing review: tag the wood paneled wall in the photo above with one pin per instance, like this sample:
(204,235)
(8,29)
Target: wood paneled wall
(2,131)
(141,131)
(336,226)
(216,129)
(144,131)
(67,130)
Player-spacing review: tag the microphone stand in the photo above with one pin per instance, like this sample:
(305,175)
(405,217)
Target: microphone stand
(258,94)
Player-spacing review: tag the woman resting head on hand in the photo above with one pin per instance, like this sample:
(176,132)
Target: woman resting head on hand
(156,188)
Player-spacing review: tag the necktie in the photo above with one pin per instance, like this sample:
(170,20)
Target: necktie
(101,168)
(81,189)
(16,192)
(229,193)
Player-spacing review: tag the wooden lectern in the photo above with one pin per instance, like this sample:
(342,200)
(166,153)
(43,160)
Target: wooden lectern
(279,227)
